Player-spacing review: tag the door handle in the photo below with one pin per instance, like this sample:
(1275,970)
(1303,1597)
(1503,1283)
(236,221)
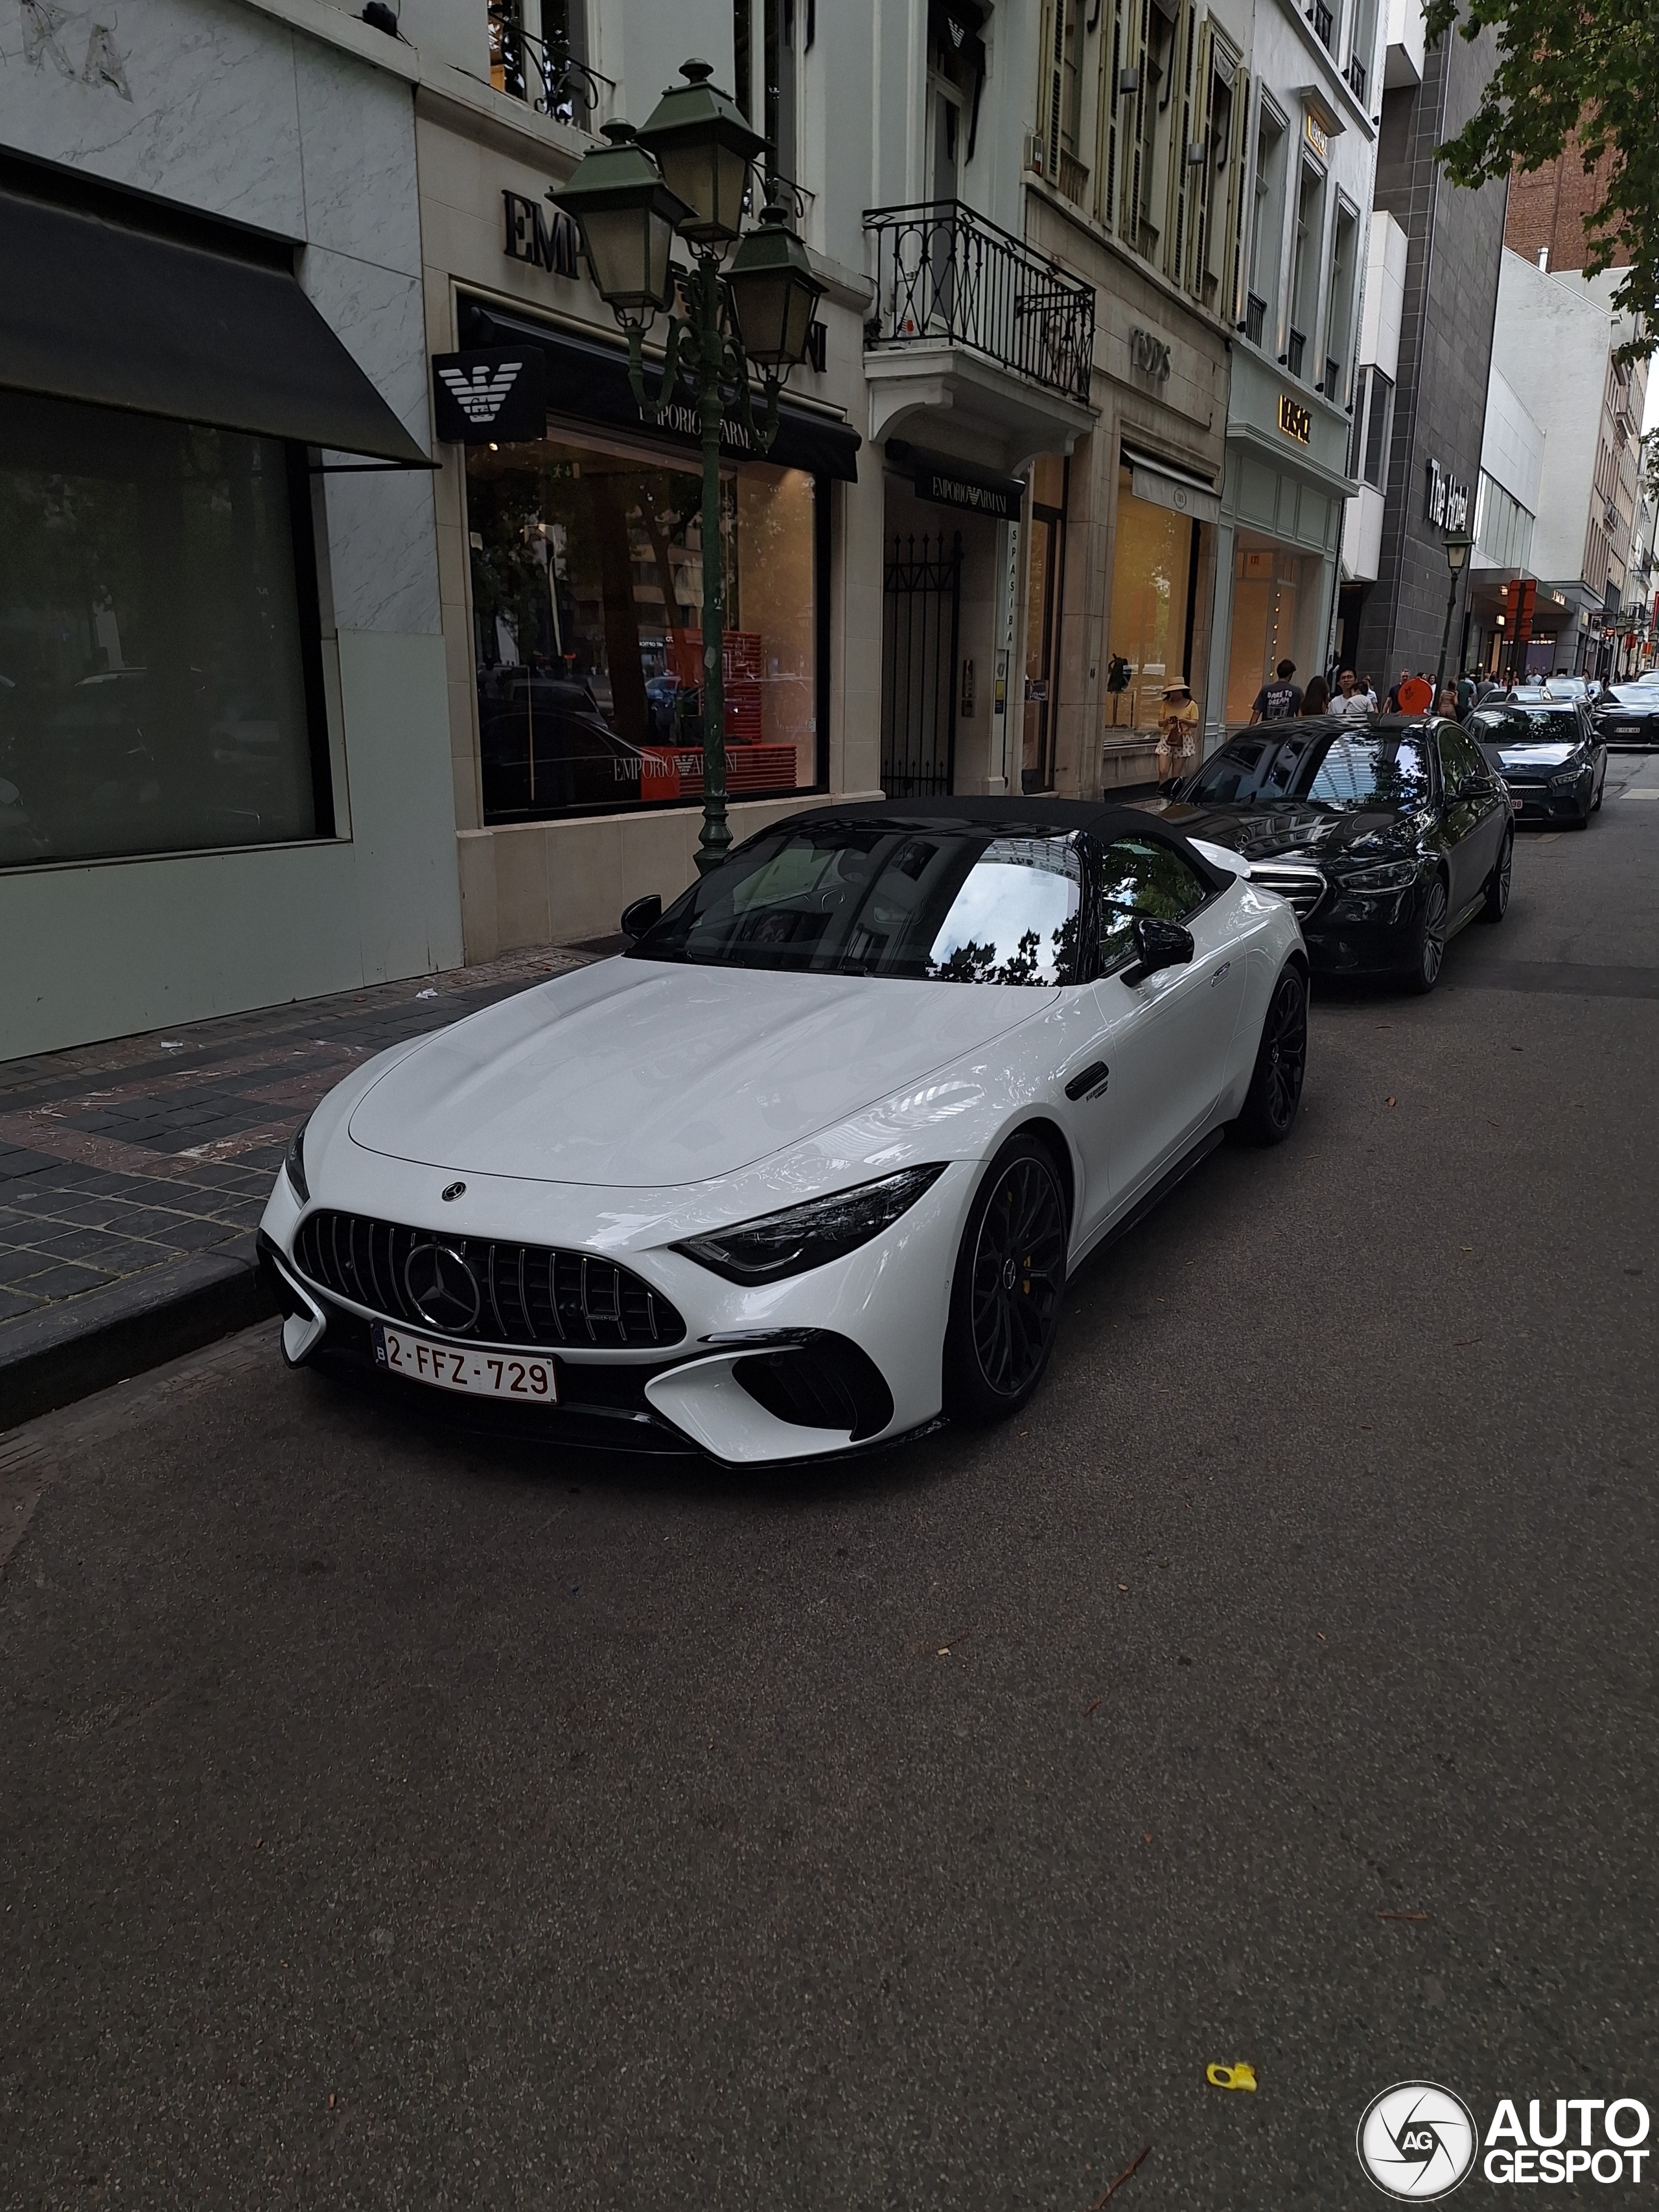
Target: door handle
(1090,1082)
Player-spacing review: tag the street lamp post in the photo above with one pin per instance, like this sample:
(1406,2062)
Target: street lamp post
(1458,546)
(685,174)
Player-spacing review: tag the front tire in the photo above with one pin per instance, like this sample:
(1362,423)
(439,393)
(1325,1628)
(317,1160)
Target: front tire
(1268,1115)
(1006,1294)
(1498,883)
(1431,941)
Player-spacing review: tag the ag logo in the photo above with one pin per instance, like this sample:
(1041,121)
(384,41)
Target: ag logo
(481,398)
(1417,2141)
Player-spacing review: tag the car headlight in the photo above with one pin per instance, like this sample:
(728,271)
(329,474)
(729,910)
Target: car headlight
(1565,782)
(802,1236)
(1389,876)
(293,1162)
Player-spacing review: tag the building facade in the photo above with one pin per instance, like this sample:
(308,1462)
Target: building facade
(1431,413)
(224,755)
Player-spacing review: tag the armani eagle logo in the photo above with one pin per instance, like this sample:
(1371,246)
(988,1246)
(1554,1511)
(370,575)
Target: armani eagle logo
(480,394)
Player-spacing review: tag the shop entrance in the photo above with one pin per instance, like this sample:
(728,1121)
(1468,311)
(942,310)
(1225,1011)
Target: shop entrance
(1037,763)
(1276,606)
(920,615)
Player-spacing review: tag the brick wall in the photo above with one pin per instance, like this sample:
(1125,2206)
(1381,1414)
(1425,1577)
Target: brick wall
(1548,208)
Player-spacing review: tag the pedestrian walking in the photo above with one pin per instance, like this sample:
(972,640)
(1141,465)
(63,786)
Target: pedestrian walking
(1278,700)
(1352,702)
(1447,703)
(1316,699)
(1177,732)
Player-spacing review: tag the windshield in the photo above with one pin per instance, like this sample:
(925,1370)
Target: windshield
(864,898)
(1353,765)
(1546,726)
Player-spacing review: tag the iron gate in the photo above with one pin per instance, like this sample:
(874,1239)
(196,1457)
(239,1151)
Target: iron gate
(921,606)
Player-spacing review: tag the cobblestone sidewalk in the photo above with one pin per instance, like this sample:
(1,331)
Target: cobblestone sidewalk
(134,1172)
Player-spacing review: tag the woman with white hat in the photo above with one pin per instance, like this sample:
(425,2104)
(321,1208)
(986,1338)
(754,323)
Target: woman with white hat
(1177,732)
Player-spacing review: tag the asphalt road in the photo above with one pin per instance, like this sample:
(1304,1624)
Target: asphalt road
(388,1818)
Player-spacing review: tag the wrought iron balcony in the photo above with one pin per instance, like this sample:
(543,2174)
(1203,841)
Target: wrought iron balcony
(1255,318)
(1319,16)
(944,274)
(1296,345)
(1331,383)
(1357,78)
(543,72)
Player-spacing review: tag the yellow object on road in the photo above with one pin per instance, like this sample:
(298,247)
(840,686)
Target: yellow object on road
(1230,2077)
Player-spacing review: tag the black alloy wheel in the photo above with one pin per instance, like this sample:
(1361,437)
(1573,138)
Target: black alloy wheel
(1010,1273)
(1431,940)
(1498,883)
(1268,1115)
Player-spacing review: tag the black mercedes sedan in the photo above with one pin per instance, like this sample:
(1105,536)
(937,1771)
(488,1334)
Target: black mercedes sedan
(1627,717)
(1385,836)
(1549,753)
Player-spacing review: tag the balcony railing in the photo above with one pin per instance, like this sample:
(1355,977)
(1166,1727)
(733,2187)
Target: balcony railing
(543,73)
(1319,16)
(1332,383)
(1357,78)
(943,272)
(1295,346)
(1255,318)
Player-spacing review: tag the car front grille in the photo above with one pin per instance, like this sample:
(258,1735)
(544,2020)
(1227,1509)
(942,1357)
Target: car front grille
(483,1291)
(1299,881)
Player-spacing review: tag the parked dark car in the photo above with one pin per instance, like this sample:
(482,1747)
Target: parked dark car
(1549,753)
(1627,717)
(1386,836)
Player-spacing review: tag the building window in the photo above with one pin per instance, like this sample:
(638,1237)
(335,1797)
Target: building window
(1339,314)
(1373,416)
(1503,527)
(159,676)
(1266,229)
(1305,267)
(587,611)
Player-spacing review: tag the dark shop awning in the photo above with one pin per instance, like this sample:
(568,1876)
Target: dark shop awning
(98,311)
(587,377)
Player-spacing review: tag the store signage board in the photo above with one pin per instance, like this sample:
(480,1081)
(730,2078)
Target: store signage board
(1316,137)
(1294,419)
(1149,354)
(544,236)
(1447,505)
(489,399)
(946,482)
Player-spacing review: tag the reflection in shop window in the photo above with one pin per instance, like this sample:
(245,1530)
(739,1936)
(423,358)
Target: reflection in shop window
(587,610)
(152,667)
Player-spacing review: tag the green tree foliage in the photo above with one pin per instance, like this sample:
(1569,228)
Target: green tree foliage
(1566,67)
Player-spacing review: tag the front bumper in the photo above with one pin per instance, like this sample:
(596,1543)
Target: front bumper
(843,1357)
(1536,802)
(1376,933)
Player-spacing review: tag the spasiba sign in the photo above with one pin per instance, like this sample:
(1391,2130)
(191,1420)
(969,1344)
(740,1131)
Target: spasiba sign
(489,399)
(1418,2140)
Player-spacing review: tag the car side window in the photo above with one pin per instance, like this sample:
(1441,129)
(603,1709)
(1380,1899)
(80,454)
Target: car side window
(1458,758)
(1137,876)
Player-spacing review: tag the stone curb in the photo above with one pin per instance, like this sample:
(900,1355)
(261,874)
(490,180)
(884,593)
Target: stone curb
(127,1327)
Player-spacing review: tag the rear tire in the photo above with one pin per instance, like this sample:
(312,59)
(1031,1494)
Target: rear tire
(1431,941)
(1270,1106)
(1498,883)
(1006,1294)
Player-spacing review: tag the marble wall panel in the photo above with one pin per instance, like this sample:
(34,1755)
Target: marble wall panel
(357,155)
(192,99)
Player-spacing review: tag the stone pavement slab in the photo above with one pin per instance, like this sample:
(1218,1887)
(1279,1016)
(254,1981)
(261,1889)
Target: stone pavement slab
(133,1173)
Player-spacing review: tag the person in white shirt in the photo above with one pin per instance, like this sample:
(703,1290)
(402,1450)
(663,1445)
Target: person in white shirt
(1350,704)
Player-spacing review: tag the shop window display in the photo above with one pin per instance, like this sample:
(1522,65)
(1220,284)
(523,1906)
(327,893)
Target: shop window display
(587,607)
(1153,583)
(1276,605)
(156,676)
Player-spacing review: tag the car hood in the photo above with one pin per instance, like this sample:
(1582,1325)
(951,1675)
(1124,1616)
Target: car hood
(1294,832)
(642,1074)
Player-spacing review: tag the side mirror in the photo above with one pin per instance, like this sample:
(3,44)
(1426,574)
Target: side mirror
(1170,785)
(1160,945)
(1473,787)
(644,914)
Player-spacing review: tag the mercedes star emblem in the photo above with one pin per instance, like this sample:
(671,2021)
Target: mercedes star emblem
(452,1190)
(443,1288)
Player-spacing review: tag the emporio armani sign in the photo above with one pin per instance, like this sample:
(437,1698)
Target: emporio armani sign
(494,398)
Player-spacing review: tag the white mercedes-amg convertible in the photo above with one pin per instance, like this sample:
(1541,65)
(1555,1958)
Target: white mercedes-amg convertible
(808,1165)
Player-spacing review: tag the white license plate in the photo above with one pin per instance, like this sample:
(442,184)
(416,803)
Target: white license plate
(452,1367)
